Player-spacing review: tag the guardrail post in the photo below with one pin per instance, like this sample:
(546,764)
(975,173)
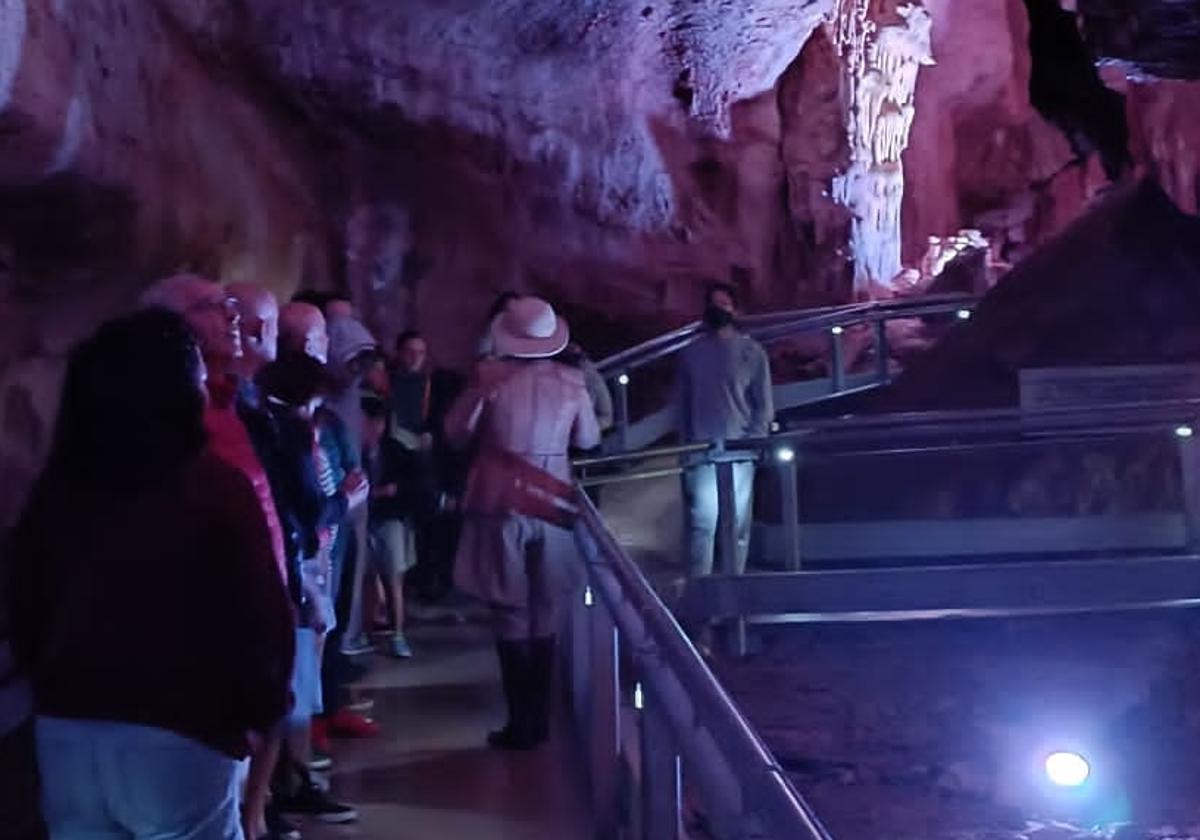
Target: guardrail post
(662,817)
(604,711)
(727,544)
(882,374)
(1189,473)
(837,365)
(620,388)
(581,662)
(789,482)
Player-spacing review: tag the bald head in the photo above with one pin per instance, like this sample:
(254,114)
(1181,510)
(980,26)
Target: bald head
(209,311)
(259,312)
(302,330)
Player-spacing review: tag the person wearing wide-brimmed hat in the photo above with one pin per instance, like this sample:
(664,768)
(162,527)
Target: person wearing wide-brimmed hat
(524,408)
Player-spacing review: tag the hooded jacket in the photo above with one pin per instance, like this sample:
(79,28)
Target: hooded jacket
(348,339)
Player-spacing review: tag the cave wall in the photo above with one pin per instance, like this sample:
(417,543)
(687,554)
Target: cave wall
(125,155)
(613,155)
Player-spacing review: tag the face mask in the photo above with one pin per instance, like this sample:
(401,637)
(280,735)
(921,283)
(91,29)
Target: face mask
(716,317)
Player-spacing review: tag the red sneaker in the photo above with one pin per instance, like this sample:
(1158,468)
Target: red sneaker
(320,736)
(347,724)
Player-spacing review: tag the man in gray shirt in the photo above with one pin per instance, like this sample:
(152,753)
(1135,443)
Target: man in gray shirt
(723,392)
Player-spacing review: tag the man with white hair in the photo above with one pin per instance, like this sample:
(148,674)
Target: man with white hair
(215,318)
(303,331)
(212,314)
(259,313)
(290,468)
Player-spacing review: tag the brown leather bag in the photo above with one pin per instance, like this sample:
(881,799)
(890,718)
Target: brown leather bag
(502,482)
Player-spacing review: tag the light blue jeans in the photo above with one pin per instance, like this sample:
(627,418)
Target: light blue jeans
(103,781)
(701,514)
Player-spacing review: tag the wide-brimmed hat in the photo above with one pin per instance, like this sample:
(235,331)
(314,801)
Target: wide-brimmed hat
(528,328)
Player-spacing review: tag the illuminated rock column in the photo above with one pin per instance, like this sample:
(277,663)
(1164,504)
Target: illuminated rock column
(880,66)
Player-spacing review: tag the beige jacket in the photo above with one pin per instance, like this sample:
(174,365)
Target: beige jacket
(535,409)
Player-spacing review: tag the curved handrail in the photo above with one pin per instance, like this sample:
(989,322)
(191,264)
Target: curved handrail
(706,722)
(1097,418)
(772,325)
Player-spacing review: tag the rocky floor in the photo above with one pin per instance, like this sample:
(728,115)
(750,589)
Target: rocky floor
(938,731)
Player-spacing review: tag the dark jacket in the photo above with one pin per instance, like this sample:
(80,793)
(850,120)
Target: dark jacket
(284,443)
(309,510)
(391,463)
(160,608)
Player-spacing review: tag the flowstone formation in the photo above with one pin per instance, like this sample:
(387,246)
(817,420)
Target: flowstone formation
(880,64)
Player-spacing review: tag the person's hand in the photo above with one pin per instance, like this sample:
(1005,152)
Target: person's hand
(315,618)
(355,488)
(314,614)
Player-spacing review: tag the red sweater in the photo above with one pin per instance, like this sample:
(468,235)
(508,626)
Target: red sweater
(162,609)
(229,440)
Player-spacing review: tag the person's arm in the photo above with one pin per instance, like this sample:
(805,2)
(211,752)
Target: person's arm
(255,610)
(602,400)
(312,509)
(681,399)
(462,420)
(762,398)
(585,434)
(349,456)
(407,438)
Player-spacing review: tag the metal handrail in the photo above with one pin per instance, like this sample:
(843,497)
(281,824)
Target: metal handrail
(1096,419)
(745,791)
(769,326)
(659,452)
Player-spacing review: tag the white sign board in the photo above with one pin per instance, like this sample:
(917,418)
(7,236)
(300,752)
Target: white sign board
(1081,386)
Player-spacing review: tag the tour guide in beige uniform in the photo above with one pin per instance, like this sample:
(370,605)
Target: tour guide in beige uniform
(523,404)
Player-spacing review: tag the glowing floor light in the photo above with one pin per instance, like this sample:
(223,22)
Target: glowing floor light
(964,314)
(785,454)
(1067,769)
(623,379)
(1184,431)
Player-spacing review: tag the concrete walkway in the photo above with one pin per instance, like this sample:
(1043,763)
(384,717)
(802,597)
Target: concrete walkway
(429,776)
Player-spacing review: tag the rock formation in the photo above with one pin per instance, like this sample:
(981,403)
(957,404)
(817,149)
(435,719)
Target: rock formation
(879,68)
(1120,287)
(613,155)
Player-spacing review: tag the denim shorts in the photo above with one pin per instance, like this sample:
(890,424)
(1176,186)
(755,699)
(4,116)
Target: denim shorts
(104,780)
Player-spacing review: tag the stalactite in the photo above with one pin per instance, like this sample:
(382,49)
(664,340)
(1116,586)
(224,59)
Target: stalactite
(880,67)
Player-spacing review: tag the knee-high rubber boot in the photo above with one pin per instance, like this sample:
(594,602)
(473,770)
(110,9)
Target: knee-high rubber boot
(541,678)
(514,679)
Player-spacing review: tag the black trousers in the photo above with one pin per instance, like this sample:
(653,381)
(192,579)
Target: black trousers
(20,815)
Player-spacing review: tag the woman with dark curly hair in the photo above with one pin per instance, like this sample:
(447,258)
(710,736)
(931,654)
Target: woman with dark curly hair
(147,606)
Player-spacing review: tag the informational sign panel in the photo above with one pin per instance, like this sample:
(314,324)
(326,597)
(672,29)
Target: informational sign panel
(1081,386)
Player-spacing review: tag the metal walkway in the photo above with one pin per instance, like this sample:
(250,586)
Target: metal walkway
(621,370)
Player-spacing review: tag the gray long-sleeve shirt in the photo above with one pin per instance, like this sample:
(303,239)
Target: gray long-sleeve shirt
(723,389)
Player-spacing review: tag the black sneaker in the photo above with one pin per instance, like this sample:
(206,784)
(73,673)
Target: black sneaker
(311,801)
(280,827)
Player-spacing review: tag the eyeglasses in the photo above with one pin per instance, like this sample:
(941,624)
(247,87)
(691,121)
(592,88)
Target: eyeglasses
(226,306)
